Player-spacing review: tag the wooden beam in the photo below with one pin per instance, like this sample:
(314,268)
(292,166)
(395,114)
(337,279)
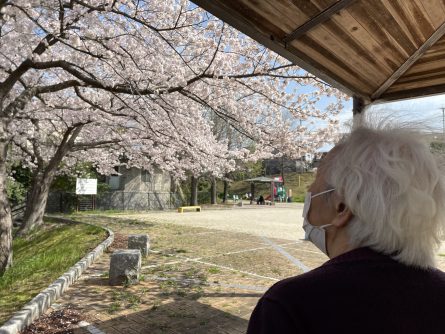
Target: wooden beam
(439,33)
(226,11)
(318,19)
(411,93)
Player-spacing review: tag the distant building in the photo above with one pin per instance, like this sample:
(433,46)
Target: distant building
(129,189)
(137,189)
(139,180)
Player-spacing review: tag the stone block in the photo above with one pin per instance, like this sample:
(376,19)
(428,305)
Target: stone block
(125,266)
(139,241)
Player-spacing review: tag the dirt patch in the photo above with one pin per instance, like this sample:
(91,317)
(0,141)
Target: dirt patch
(62,321)
(120,242)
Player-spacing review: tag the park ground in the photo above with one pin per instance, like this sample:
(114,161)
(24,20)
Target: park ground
(204,274)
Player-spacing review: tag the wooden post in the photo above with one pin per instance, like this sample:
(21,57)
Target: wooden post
(358,112)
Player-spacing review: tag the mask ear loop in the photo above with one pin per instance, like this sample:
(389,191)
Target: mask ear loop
(323,192)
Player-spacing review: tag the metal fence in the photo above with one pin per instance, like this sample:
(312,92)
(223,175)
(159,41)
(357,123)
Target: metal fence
(113,200)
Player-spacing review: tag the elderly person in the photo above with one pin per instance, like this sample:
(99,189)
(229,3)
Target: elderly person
(377,209)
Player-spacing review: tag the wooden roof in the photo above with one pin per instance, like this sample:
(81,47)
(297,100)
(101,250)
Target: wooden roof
(375,50)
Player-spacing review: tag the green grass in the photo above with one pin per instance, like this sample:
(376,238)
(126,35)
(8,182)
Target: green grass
(295,181)
(42,257)
(124,299)
(214,270)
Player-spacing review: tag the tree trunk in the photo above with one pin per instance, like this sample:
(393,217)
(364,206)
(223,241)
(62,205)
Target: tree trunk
(194,191)
(36,201)
(42,179)
(282,169)
(213,191)
(226,189)
(5,209)
(252,193)
(177,189)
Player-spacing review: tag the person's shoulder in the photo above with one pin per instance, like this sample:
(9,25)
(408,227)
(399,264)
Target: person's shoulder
(335,273)
(435,275)
(339,276)
(298,285)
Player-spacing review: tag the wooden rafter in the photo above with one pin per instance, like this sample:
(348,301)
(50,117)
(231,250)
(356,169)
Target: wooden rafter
(412,93)
(439,33)
(318,19)
(366,48)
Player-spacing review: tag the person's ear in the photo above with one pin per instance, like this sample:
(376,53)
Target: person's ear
(343,214)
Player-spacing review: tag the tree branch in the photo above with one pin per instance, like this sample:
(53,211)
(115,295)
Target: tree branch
(98,144)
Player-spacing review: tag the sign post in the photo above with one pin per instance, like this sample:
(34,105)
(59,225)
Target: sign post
(87,187)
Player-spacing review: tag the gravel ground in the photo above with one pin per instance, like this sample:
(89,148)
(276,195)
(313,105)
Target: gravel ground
(282,221)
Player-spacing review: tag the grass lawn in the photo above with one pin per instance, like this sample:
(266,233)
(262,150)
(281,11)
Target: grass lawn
(41,258)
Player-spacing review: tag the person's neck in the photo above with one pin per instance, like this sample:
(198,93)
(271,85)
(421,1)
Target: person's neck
(336,251)
(339,244)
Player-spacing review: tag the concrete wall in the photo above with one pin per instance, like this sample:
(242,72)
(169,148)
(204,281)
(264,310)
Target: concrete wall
(134,189)
(161,182)
(120,200)
(137,180)
(132,179)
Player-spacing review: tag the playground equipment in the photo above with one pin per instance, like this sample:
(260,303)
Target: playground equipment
(277,189)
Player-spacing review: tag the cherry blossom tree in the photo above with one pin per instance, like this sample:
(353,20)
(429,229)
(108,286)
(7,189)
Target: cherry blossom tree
(100,76)
(51,134)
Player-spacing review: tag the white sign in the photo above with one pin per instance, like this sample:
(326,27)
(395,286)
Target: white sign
(86,186)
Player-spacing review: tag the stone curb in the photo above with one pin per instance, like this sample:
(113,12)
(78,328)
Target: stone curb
(40,303)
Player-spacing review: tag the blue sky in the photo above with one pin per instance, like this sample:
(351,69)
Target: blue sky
(425,110)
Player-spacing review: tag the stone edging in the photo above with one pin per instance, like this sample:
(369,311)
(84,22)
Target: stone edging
(40,303)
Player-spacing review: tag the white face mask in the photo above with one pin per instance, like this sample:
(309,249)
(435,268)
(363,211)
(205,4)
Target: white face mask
(316,234)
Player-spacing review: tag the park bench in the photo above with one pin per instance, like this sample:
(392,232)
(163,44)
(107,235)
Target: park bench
(196,208)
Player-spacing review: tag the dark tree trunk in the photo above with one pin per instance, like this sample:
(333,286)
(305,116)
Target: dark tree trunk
(213,191)
(36,202)
(5,209)
(226,189)
(252,192)
(42,179)
(282,169)
(194,191)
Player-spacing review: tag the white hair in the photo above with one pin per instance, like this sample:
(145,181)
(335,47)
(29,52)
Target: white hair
(393,185)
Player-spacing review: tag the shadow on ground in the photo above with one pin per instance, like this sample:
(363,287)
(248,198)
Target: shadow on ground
(178,316)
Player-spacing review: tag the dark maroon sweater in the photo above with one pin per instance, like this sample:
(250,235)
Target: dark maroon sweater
(358,292)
